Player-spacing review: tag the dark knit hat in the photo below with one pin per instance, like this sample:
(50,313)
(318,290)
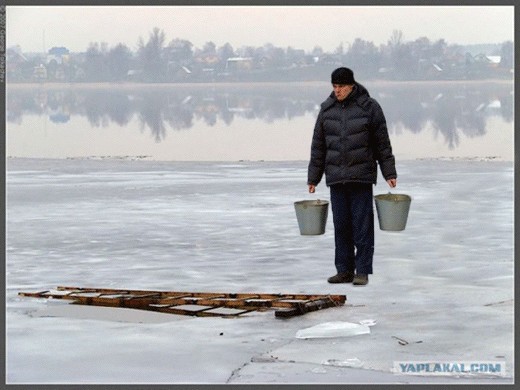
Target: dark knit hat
(342,76)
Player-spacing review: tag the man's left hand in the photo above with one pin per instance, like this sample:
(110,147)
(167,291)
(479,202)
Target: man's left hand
(392,182)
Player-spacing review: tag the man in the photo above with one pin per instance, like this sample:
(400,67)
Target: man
(350,138)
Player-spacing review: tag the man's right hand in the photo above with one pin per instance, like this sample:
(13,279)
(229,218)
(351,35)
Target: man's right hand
(312,188)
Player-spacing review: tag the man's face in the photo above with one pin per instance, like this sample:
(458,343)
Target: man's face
(342,91)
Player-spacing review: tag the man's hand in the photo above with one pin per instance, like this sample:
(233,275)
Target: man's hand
(392,182)
(312,188)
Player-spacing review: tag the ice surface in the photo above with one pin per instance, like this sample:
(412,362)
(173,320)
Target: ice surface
(444,285)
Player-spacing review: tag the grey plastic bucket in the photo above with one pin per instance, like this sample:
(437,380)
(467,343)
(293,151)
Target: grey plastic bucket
(311,216)
(392,211)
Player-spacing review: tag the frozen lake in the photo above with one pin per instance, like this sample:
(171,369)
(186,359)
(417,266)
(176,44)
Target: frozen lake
(444,285)
(192,187)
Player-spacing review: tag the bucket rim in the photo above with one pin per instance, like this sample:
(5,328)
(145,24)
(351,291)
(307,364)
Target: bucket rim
(315,202)
(394,197)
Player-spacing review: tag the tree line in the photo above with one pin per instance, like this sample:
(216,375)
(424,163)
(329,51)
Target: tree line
(158,60)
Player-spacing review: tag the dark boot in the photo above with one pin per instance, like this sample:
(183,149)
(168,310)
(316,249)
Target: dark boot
(342,277)
(360,280)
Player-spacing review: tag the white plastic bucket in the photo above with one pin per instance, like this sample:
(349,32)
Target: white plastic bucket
(311,216)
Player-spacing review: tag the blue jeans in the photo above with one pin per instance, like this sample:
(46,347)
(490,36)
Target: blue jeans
(353,216)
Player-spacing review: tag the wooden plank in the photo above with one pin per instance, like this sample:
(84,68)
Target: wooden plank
(307,307)
(197,313)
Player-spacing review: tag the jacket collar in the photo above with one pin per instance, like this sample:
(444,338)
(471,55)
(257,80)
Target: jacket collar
(359,94)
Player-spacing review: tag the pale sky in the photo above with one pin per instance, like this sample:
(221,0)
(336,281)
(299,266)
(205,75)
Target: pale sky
(38,28)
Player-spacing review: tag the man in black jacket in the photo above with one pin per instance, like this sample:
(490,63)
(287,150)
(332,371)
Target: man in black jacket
(350,138)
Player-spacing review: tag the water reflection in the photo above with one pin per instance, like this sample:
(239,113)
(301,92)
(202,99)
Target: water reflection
(450,108)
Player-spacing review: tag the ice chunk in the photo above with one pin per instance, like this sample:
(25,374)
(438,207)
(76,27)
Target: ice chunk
(332,329)
(353,362)
(368,322)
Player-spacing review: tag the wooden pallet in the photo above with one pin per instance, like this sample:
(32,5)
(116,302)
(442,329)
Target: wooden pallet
(194,303)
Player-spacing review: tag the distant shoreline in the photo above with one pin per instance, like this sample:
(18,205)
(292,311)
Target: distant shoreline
(134,85)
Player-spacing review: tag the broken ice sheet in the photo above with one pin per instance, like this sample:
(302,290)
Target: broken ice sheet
(332,329)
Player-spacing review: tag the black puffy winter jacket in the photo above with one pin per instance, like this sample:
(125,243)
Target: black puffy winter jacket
(350,138)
